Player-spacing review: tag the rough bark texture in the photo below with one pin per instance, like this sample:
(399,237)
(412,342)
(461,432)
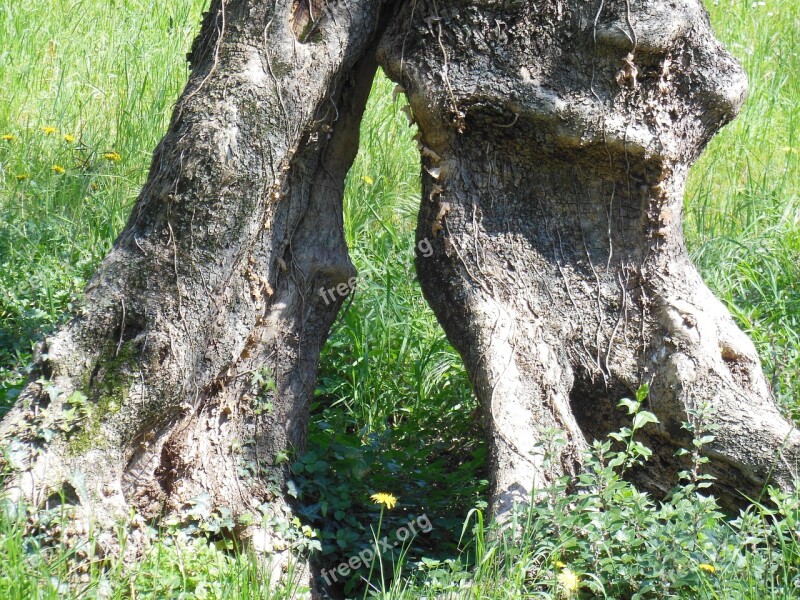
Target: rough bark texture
(556,137)
(213,280)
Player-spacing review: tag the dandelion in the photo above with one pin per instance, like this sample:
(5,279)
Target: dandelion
(8,137)
(49,130)
(568,581)
(112,156)
(69,138)
(59,170)
(369,180)
(560,565)
(707,568)
(386,499)
(22,177)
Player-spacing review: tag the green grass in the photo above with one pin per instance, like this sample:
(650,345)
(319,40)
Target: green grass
(107,74)
(743,205)
(394,409)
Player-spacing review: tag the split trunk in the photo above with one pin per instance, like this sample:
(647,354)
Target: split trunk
(555,139)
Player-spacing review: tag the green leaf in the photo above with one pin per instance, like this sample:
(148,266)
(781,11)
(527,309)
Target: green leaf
(631,405)
(76,398)
(615,462)
(643,418)
(291,489)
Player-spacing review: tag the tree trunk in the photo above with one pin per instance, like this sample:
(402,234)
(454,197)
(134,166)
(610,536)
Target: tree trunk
(556,137)
(185,380)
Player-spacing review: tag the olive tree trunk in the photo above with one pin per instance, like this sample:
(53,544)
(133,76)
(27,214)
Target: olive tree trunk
(556,137)
(185,380)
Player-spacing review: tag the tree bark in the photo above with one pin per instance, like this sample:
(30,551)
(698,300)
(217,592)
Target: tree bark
(148,400)
(556,137)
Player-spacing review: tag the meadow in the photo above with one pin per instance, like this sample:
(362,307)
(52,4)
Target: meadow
(87,91)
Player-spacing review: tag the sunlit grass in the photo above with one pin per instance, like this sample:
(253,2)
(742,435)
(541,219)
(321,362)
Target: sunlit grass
(743,205)
(79,80)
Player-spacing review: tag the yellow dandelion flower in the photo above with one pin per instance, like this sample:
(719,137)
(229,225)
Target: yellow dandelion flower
(49,130)
(69,138)
(22,177)
(386,499)
(568,581)
(369,180)
(707,568)
(59,170)
(560,565)
(8,137)
(112,156)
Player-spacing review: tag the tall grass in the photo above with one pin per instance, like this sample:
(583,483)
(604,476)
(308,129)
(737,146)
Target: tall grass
(743,205)
(393,411)
(106,74)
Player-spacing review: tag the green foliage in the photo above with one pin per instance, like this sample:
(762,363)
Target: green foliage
(106,74)
(394,411)
(179,564)
(618,543)
(597,533)
(335,480)
(46,423)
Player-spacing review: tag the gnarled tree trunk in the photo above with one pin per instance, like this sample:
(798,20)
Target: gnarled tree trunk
(556,137)
(152,390)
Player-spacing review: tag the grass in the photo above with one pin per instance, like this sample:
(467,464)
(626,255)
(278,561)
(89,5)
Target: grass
(743,204)
(107,74)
